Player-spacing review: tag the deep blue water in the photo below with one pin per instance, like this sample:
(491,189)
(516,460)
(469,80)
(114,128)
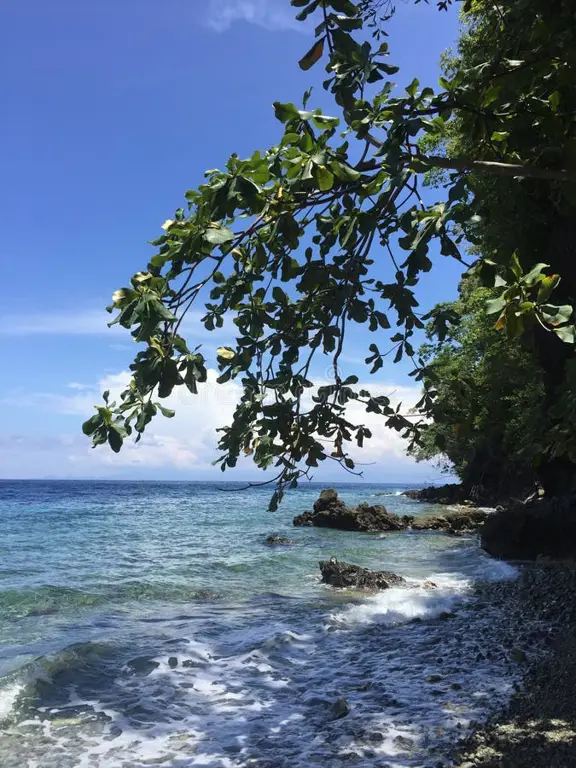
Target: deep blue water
(148,624)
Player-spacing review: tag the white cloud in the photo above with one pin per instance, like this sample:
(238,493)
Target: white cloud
(185,444)
(273,15)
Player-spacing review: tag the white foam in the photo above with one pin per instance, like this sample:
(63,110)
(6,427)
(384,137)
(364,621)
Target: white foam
(8,697)
(399,605)
(263,691)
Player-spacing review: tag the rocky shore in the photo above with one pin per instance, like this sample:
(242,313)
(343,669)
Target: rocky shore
(330,512)
(538,728)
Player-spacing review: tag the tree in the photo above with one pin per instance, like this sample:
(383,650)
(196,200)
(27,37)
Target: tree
(285,241)
(525,231)
(488,412)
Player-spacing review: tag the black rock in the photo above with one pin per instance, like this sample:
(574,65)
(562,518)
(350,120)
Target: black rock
(340,574)
(545,528)
(330,512)
(142,665)
(339,709)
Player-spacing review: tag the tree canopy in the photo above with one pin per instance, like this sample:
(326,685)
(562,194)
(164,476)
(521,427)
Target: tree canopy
(287,241)
(487,415)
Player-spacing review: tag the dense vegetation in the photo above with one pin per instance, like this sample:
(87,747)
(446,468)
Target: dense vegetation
(487,418)
(291,242)
(505,410)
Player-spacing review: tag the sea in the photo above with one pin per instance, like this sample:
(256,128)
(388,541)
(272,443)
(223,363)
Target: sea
(149,624)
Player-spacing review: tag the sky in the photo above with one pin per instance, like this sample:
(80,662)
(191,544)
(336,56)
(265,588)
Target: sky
(111,110)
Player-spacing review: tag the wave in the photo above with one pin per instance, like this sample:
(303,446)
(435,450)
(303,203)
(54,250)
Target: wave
(399,605)
(46,681)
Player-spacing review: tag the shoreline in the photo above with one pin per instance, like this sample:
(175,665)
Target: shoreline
(537,729)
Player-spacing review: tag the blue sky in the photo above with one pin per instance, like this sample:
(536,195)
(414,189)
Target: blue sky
(110,111)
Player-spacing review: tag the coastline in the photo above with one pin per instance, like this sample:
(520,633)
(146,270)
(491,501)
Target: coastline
(538,726)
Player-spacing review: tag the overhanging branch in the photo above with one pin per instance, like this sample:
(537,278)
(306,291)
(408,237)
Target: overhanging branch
(497,169)
(513,170)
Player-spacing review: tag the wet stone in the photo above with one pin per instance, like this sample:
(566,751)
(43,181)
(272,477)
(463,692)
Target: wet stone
(142,665)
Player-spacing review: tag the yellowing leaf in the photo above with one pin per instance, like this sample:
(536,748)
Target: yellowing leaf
(225,353)
(313,55)
(167,224)
(501,322)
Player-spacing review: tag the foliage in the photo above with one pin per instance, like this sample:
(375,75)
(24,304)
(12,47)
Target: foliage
(291,242)
(488,413)
(525,231)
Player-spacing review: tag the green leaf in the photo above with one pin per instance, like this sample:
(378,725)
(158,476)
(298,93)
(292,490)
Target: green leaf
(167,412)
(122,297)
(91,425)
(219,235)
(325,121)
(535,275)
(495,305)
(285,112)
(278,295)
(115,438)
(566,333)
(313,55)
(303,15)
(324,178)
(556,315)
(546,287)
(554,100)
(412,89)
(344,172)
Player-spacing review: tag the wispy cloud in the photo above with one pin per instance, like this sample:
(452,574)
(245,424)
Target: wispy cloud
(80,323)
(274,15)
(93,322)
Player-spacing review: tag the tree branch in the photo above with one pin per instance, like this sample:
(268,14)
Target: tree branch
(480,166)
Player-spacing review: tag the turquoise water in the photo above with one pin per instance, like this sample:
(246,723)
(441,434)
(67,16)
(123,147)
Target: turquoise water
(149,624)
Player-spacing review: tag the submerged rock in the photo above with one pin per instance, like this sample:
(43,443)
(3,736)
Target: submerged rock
(341,574)
(330,512)
(207,594)
(142,665)
(273,540)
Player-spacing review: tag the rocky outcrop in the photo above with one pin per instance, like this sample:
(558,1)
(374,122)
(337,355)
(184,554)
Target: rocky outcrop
(544,527)
(330,512)
(453,493)
(341,574)
(462,521)
(472,495)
